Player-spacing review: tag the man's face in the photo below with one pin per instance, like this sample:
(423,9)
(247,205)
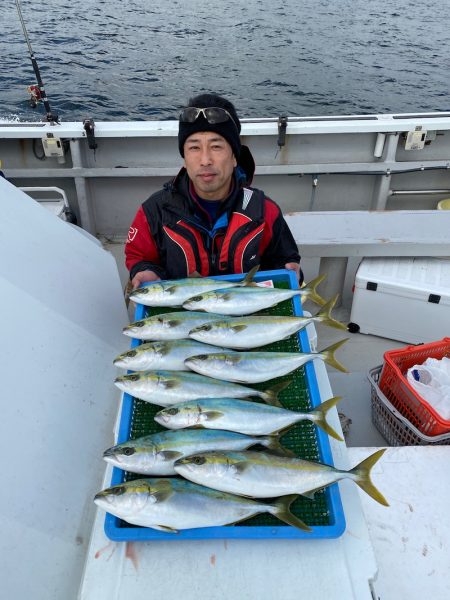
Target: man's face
(209,161)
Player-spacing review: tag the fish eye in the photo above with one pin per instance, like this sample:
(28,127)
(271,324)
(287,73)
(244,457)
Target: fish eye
(133,377)
(139,324)
(202,356)
(119,490)
(131,353)
(196,298)
(128,451)
(206,328)
(160,320)
(172,411)
(199,460)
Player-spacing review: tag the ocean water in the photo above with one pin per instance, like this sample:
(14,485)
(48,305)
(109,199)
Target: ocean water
(136,59)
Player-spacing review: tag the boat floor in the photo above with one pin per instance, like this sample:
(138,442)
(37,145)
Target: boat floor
(360,354)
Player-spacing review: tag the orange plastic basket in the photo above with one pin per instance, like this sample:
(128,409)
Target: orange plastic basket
(403,397)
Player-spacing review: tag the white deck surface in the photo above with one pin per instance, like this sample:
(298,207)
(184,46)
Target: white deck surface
(411,538)
(403,548)
(247,569)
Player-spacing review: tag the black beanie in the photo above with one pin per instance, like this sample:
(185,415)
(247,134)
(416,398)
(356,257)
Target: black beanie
(229,129)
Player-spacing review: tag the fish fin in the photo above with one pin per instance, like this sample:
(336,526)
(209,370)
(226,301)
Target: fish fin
(212,415)
(362,476)
(164,528)
(237,328)
(272,442)
(173,322)
(162,495)
(310,495)
(170,454)
(248,279)
(324,316)
(240,467)
(169,384)
(329,358)
(309,291)
(319,416)
(171,289)
(282,512)
(270,396)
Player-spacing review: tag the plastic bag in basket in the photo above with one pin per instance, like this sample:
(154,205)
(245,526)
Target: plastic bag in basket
(432,381)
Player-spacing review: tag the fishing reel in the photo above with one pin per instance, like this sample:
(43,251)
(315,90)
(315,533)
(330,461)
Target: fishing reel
(35,95)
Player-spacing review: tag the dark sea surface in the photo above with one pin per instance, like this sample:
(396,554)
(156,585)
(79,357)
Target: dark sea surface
(137,59)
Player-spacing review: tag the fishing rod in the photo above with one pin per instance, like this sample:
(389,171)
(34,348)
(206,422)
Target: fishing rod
(37,91)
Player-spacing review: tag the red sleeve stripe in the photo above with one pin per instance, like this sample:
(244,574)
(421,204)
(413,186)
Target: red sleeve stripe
(204,262)
(236,221)
(241,247)
(271,214)
(140,245)
(187,250)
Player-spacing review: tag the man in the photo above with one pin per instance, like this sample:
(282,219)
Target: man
(207,220)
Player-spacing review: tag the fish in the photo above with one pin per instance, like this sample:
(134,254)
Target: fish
(162,355)
(164,388)
(174,504)
(250,299)
(155,454)
(244,333)
(265,475)
(251,418)
(169,326)
(175,292)
(255,367)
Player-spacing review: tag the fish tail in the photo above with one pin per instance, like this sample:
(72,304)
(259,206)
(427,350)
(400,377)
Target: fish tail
(280,509)
(329,358)
(248,279)
(309,291)
(319,417)
(272,442)
(325,317)
(361,475)
(270,396)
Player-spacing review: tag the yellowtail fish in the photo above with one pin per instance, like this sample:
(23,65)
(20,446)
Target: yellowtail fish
(251,418)
(254,367)
(171,387)
(263,475)
(247,300)
(174,504)
(169,326)
(175,292)
(243,333)
(155,454)
(162,355)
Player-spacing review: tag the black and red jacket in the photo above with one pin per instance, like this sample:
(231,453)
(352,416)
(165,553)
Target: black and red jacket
(173,236)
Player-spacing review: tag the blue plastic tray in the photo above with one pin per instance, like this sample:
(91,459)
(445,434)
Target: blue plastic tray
(118,530)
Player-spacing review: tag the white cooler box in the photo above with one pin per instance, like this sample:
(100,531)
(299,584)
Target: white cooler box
(405,299)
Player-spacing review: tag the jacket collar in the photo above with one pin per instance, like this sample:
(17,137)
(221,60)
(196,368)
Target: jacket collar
(181,184)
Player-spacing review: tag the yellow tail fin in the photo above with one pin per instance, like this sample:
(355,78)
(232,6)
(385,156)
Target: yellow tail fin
(323,316)
(318,416)
(248,279)
(309,290)
(282,512)
(329,358)
(270,396)
(362,476)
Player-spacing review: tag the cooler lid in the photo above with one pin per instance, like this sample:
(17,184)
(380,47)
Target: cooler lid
(420,278)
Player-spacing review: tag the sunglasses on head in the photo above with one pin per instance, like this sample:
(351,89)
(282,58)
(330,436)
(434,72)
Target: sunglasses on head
(213,115)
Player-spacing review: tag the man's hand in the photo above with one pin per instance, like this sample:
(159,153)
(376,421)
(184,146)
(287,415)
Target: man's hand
(144,276)
(292,266)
